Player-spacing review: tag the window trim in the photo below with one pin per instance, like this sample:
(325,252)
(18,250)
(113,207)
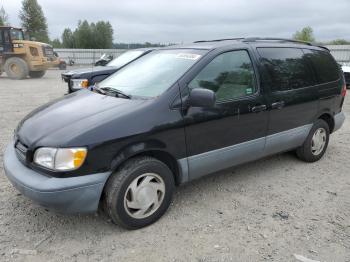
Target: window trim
(257,85)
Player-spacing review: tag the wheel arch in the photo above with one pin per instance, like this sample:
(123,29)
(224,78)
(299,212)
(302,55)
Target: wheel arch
(153,149)
(328,118)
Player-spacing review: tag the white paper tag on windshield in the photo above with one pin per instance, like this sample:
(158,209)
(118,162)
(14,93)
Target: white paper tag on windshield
(188,56)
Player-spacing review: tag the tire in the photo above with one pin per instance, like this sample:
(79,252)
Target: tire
(62,66)
(37,74)
(16,68)
(129,186)
(307,152)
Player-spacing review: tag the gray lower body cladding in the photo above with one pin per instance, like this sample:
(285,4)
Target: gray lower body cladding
(209,162)
(213,161)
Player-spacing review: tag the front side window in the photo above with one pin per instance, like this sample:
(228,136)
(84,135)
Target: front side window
(230,75)
(153,73)
(286,68)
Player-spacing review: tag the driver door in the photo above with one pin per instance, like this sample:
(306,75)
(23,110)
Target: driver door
(234,130)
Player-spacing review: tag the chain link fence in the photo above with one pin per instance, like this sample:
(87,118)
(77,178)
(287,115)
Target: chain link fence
(341,53)
(86,56)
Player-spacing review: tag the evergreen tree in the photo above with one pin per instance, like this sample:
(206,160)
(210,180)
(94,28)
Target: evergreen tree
(83,35)
(33,20)
(103,35)
(3,17)
(68,39)
(56,43)
(89,36)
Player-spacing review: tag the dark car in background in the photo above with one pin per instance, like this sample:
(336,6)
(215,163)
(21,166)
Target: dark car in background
(88,76)
(346,71)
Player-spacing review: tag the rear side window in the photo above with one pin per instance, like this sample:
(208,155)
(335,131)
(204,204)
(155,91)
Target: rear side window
(286,68)
(324,65)
(230,75)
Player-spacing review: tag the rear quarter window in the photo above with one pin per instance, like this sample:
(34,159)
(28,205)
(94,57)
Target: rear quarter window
(286,68)
(325,67)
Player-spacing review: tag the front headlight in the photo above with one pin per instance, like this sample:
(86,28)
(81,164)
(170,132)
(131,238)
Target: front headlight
(60,159)
(79,83)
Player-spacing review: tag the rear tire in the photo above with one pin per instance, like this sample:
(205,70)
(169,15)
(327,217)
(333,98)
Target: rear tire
(16,68)
(37,74)
(139,193)
(316,142)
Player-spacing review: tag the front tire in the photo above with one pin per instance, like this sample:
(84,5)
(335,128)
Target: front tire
(316,143)
(37,74)
(16,68)
(139,193)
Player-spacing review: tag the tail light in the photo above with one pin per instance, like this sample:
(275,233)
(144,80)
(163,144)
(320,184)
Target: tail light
(343,91)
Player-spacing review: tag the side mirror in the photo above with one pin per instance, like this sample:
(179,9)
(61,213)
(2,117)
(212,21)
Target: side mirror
(200,97)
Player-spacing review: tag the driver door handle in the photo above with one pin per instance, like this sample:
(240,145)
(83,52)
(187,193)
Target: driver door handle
(278,105)
(260,108)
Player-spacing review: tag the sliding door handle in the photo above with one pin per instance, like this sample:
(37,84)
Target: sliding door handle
(256,109)
(278,105)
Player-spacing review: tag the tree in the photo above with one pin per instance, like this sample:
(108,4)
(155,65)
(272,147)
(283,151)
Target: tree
(102,35)
(33,20)
(99,36)
(83,35)
(339,42)
(3,16)
(56,43)
(306,34)
(68,38)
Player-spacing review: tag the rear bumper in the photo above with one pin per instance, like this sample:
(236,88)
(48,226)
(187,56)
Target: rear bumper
(64,195)
(338,121)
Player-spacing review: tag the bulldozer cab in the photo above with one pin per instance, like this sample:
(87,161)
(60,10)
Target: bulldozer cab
(7,35)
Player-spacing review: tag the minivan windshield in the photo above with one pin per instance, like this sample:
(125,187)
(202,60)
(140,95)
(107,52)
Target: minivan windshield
(125,58)
(152,74)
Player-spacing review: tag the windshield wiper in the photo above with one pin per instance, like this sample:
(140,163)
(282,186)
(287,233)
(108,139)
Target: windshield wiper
(118,93)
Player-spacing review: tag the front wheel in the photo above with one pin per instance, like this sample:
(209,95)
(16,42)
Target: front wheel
(316,143)
(37,74)
(16,68)
(139,193)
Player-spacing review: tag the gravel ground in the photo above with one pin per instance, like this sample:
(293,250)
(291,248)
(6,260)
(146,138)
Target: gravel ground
(268,210)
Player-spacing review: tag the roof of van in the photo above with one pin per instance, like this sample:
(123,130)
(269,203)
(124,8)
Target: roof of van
(256,41)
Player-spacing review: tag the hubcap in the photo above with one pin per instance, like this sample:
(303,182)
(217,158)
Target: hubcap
(14,68)
(144,195)
(318,141)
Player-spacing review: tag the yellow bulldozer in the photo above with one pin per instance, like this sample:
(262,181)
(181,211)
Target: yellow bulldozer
(21,58)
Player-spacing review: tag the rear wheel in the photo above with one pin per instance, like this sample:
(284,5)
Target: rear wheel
(37,74)
(316,143)
(16,68)
(139,193)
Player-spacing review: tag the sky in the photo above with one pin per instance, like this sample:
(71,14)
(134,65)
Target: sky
(176,21)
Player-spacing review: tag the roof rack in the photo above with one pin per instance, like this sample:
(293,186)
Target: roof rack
(254,39)
(219,40)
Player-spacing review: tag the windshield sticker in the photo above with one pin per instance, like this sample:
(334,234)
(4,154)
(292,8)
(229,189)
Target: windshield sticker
(188,56)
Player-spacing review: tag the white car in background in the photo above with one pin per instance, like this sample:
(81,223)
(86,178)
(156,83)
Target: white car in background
(346,70)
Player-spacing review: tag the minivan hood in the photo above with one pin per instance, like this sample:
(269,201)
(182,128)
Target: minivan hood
(71,113)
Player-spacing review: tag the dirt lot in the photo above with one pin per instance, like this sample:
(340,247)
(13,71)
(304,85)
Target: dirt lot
(268,210)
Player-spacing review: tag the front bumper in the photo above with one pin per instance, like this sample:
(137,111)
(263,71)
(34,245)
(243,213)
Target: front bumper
(65,195)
